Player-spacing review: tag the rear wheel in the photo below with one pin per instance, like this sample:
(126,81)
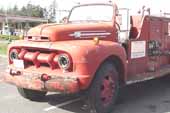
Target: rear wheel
(31,94)
(104,90)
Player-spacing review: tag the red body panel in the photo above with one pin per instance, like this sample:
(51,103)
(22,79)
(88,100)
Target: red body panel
(60,32)
(144,56)
(82,53)
(149,29)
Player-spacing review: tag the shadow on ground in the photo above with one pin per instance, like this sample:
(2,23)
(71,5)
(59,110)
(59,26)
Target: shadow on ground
(146,97)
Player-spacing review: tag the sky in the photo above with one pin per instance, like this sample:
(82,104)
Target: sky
(134,5)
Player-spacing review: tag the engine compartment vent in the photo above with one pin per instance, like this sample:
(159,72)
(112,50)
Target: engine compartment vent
(36,38)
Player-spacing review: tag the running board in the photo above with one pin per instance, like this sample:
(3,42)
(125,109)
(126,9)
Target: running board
(149,75)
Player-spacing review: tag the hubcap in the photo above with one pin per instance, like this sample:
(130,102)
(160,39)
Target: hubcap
(107,89)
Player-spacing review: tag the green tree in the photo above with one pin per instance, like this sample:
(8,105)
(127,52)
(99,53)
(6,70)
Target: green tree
(52,11)
(32,10)
(28,10)
(2,10)
(15,10)
(23,11)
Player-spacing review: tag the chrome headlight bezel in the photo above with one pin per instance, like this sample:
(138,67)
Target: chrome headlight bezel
(13,55)
(64,61)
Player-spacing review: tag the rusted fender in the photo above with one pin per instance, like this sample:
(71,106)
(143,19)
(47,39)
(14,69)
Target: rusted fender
(87,57)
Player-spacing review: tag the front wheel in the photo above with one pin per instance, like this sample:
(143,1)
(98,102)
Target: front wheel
(31,94)
(104,90)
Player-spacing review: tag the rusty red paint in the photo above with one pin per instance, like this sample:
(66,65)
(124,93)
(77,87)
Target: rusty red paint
(107,89)
(60,84)
(86,57)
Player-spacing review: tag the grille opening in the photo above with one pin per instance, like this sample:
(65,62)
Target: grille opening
(41,51)
(27,63)
(44,65)
(30,37)
(44,38)
(41,62)
(37,38)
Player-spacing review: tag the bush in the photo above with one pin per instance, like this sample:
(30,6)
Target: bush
(7,37)
(3,48)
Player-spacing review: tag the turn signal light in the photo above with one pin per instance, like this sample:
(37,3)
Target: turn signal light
(96,40)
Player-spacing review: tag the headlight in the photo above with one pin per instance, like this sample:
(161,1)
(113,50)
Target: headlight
(13,54)
(64,61)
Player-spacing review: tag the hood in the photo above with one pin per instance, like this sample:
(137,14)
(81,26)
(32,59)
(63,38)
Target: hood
(60,32)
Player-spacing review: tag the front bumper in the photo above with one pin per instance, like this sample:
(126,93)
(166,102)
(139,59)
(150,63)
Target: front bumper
(29,80)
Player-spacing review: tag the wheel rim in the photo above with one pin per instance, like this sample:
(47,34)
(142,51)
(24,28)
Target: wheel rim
(107,89)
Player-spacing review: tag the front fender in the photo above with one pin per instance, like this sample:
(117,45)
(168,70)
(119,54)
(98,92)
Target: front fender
(87,57)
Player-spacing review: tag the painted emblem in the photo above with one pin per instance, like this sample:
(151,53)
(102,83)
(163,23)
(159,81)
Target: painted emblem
(90,34)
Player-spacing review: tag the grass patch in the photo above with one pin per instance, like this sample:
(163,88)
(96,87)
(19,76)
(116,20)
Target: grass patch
(7,37)
(3,48)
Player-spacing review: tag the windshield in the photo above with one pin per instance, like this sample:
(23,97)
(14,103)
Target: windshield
(92,13)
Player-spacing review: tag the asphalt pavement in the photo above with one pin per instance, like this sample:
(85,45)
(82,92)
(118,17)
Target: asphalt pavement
(146,97)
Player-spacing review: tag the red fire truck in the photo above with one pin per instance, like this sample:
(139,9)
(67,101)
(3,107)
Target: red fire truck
(98,50)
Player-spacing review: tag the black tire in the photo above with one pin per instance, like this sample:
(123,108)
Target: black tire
(31,94)
(106,75)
